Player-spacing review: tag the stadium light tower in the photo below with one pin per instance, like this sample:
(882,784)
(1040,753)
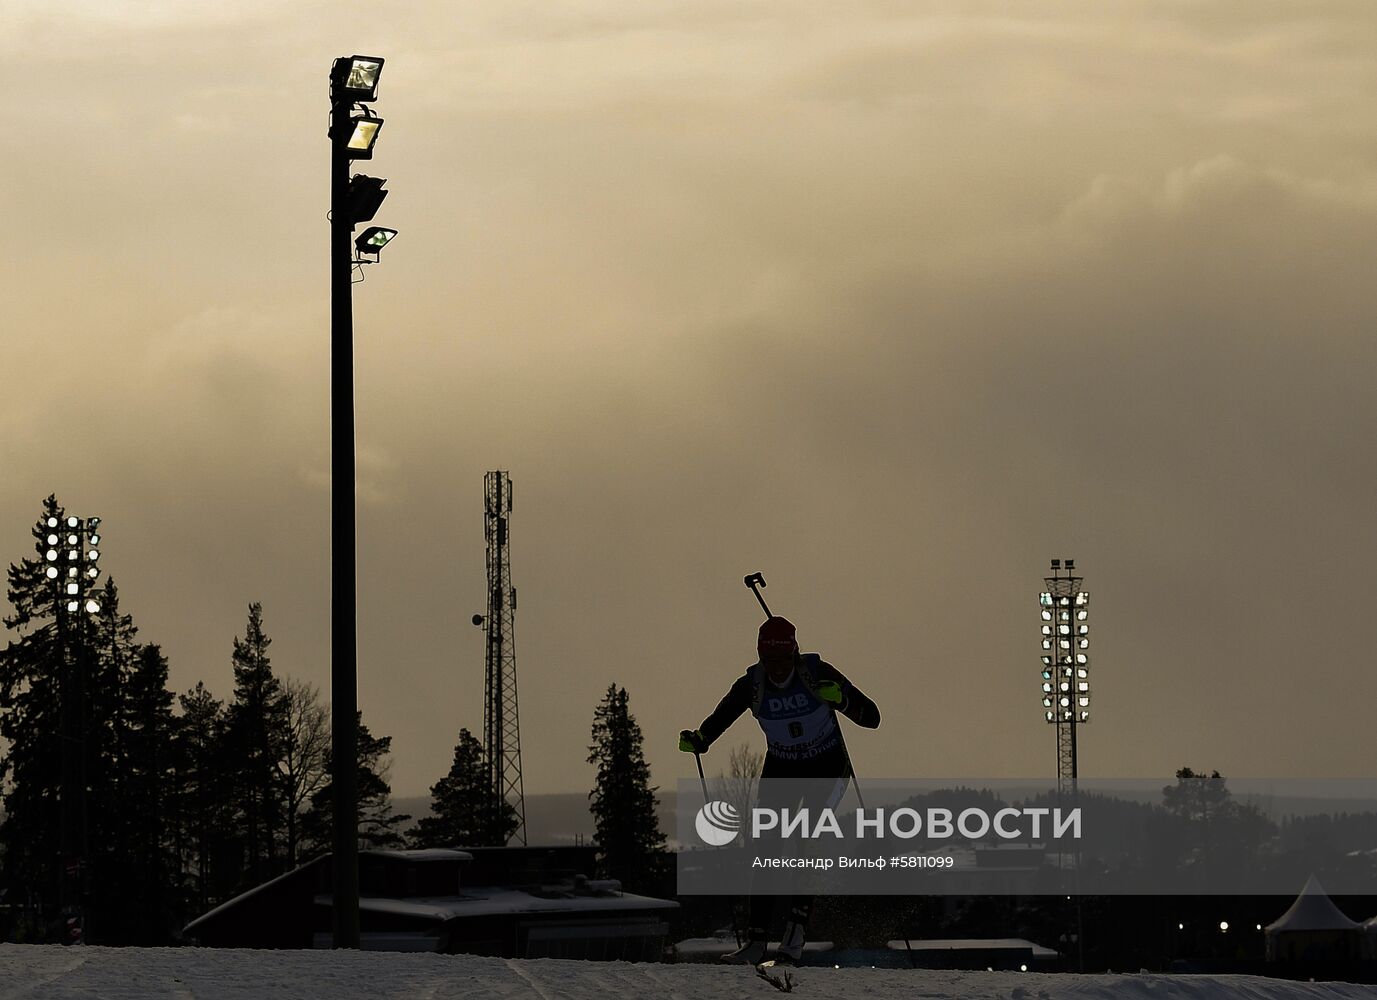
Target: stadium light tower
(1065,609)
(71,551)
(353,132)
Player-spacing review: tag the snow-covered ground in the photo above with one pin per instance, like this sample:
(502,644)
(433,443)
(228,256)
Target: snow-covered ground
(32,972)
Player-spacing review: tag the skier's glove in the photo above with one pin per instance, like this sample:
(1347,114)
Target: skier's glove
(831,691)
(691,741)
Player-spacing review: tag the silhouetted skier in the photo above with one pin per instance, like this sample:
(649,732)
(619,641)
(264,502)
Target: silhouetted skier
(795,697)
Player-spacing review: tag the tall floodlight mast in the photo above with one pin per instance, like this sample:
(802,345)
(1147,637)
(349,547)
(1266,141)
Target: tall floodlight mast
(353,200)
(1065,664)
(501,724)
(70,553)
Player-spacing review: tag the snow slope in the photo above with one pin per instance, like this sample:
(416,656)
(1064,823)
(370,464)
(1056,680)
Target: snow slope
(33,972)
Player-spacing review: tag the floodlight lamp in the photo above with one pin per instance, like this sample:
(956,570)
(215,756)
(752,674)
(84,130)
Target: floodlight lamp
(1063,630)
(1065,601)
(1082,658)
(1085,716)
(1083,643)
(51,572)
(71,571)
(1082,599)
(1047,630)
(71,555)
(1049,716)
(1083,686)
(1045,600)
(1047,688)
(1082,672)
(1046,643)
(1056,564)
(1084,702)
(373,239)
(1066,671)
(1047,675)
(1047,661)
(1046,702)
(1083,630)
(358,77)
(73,588)
(52,539)
(93,555)
(1046,615)
(92,573)
(364,198)
(73,605)
(1063,616)
(1067,715)
(72,522)
(362,135)
(1082,615)
(72,539)
(1070,564)
(92,523)
(1064,643)
(52,522)
(1065,686)
(1065,702)
(95,539)
(92,606)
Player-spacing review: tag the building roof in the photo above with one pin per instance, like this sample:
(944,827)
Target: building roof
(972,944)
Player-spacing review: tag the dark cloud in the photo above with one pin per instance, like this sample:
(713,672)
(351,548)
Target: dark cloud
(891,305)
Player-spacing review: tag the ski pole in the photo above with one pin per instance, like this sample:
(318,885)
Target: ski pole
(701,780)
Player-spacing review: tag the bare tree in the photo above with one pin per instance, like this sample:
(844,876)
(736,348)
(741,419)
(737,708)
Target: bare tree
(738,785)
(305,763)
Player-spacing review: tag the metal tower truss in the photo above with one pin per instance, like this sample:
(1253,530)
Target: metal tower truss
(1065,664)
(501,725)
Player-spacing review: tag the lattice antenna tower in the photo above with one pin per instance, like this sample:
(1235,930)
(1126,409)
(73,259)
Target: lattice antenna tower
(501,723)
(1065,663)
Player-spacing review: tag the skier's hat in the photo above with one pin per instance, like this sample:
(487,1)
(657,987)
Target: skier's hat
(777,640)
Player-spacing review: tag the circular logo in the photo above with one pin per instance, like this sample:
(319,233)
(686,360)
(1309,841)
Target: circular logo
(717,823)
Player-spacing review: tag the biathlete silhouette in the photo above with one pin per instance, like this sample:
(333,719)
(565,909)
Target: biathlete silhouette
(795,697)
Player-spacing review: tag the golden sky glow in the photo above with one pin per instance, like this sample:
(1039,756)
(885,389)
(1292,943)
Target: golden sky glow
(892,302)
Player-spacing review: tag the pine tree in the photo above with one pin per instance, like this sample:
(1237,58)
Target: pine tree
(112,840)
(205,795)
(31,671)
(461,804)
(255,733)
(378,825)
(142,882)
(630,844)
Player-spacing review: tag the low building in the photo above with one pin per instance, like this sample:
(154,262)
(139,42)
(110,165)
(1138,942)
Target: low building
(518,902)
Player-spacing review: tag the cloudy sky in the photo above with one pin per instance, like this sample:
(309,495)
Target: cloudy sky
(892,302)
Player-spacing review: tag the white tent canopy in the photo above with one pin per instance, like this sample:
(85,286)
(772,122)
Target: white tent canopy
(1313,910)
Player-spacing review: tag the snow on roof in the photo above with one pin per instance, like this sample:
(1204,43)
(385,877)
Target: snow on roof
(421,854)
(972,944)
(1313,910)
(247,894)
(484,902)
